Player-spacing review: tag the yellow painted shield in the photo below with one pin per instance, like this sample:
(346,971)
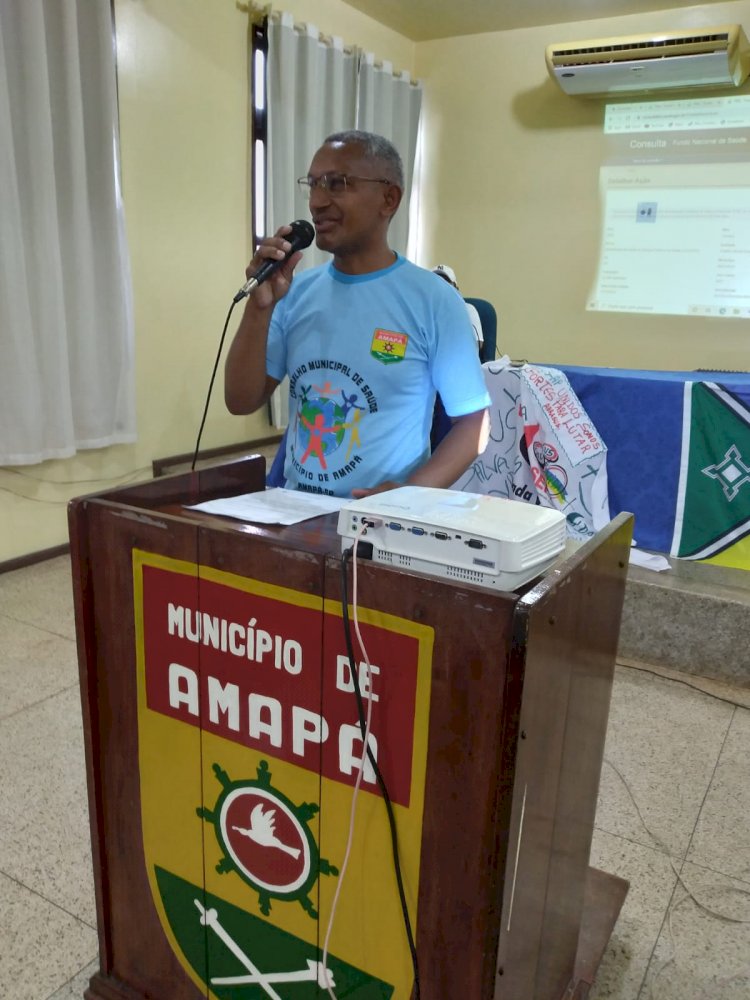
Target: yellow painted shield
(249,749)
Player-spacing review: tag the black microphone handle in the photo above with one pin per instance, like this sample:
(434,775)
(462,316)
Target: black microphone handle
(300,237)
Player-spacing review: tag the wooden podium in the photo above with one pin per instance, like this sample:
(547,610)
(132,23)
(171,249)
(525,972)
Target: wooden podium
(222,748)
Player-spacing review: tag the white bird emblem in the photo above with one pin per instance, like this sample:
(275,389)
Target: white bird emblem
(262,830)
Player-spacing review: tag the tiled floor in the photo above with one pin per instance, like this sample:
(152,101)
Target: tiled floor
(673,818)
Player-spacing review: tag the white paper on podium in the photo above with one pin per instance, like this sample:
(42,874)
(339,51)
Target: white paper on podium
(274,506)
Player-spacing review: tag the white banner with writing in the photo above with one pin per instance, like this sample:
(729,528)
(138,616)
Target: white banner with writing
(543,447)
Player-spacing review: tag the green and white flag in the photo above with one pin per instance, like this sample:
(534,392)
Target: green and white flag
(713,498)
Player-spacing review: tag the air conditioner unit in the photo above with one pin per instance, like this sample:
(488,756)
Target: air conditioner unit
(672,60)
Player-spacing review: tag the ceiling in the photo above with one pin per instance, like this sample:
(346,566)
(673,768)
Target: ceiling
(424,20)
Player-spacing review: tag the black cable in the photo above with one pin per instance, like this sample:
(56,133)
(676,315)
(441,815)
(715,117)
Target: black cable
(211,385)
(381,781)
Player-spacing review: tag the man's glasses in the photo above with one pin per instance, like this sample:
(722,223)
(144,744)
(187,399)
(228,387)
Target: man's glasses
(334,184)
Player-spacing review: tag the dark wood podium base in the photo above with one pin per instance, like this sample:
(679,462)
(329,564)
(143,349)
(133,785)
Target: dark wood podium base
(102,988)
(603,901)
(516,709)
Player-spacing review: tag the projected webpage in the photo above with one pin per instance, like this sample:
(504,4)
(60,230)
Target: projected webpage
(676,210)
(675,242)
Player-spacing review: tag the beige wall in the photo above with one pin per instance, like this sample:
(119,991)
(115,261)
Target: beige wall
(182,70)
(510,198)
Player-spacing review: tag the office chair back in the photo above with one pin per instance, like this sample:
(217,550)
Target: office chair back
(488,319)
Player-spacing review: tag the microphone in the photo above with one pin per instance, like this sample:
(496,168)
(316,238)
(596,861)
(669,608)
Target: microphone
(300,237)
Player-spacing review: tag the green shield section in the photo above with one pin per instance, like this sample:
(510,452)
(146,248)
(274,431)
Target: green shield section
(717,489)
(386,358)
(273,952)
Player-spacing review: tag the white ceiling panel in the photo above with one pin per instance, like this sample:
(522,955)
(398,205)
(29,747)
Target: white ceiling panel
(424,20)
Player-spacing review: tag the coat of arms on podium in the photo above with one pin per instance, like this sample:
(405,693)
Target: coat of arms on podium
(249,748)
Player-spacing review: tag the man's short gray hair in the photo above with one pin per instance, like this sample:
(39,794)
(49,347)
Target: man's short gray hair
(375,147)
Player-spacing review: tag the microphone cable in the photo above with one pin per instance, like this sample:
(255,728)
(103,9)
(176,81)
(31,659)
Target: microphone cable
(211,385)
(346,555)
(357,784)
(299,238)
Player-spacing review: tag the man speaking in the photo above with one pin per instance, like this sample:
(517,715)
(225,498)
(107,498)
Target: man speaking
(366,340)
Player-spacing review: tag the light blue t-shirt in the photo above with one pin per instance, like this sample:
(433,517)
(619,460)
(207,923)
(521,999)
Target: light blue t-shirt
(365,355)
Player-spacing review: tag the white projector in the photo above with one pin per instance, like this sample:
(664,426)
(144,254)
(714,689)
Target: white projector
(470,537)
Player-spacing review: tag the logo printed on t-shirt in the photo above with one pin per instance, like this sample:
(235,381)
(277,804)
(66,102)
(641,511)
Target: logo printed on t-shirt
(388,346)
(325,445)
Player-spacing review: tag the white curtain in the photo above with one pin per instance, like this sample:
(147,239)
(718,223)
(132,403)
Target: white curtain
(66,329)
(316,86)
(389,104)
(312,91)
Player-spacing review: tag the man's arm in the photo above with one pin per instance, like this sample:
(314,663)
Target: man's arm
(246,385)
(466,439)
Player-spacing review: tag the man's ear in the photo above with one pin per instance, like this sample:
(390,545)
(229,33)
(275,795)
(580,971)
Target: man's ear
(392,195)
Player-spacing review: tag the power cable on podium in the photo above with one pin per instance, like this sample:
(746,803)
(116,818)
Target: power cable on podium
(347,555)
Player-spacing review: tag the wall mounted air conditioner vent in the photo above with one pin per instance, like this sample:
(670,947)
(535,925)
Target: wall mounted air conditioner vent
(675,60)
